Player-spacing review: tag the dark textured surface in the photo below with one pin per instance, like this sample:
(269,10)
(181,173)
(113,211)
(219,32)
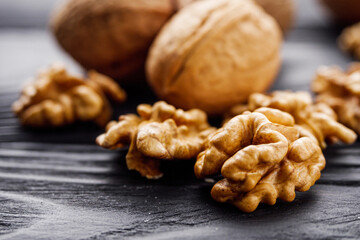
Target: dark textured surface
(58,184)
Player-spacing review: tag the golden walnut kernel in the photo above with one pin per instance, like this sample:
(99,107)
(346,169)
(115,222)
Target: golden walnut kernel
(317,121)
(259,160)
(56,98)
(160,132)
(341,91)
(349,40)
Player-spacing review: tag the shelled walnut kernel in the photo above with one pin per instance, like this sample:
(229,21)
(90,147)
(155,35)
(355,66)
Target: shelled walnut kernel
(160,132)
(56,98)
(259,160)
(317,121)
(341,91)
(349,40)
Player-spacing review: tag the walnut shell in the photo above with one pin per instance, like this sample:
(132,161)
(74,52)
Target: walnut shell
(113,36)
(282,10)
(344,11)
(214,54)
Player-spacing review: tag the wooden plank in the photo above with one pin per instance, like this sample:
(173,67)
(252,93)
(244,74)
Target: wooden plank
(163,211)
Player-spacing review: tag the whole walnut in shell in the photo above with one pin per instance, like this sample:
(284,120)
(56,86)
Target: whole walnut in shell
(214,54)
(111,36)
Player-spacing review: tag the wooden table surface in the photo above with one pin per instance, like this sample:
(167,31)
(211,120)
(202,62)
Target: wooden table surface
(59,185)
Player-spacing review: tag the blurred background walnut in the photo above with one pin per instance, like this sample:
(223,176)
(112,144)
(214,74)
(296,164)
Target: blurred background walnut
(160,132)
(317,121)
(349,40)
(343,11)
(341,91)
(214,54)
(56,98)
(282,10)
(112,37)
(259,160)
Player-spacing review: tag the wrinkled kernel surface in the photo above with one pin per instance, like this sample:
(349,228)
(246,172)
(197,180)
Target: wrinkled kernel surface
(259,160)
(341,91)
(349,40)
(317,121)
(160,132)
(56,98)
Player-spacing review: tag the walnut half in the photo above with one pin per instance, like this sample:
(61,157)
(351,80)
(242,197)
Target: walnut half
(349,40)
(160,132)
(259,160)
(341,91)
(317,121)
(56,98)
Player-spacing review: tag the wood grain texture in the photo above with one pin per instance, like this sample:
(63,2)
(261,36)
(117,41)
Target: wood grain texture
(57,184)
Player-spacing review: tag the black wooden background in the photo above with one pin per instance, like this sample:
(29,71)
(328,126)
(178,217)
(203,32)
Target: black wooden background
(60,185)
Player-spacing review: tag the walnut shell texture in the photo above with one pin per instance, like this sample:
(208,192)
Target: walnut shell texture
(214,54)
(113,36)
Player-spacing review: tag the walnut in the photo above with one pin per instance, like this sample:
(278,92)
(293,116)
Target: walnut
(259,160)
(228,49)
(317,121)
(282,10)
(112,37)
(343,11)
(56,98)
(341,91)
(349,40)
(160,132)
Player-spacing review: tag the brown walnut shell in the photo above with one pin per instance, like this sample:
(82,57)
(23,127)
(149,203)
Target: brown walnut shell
(214,54)
(113,36)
